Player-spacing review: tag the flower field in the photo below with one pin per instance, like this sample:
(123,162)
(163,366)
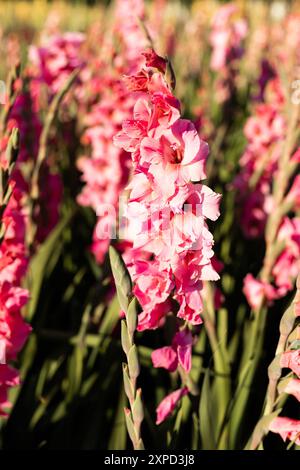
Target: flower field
(150,225)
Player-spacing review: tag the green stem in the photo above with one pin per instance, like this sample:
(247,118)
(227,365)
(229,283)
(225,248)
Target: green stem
(222,383)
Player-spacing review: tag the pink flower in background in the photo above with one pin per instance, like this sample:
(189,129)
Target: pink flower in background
(169,357)
(291,360)
(287,265)
(256,291)
(13,251)
(9,377)
(293,388)
(182,343)
(265,131)
(129,29)
(59,55)
(285,268)
(167,406)
(13,265)
(226,39)
(25,116)
(166,358)
(106,104)
(265,127)
(287,428)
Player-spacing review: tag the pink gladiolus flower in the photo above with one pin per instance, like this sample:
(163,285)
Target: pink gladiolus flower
(287,428)
(226,37)
(177,158)
(291,360)
(154,60)
(13,329)
(24,115)
(167,406)
(226,40)
(256,291)
(129,30)
(183,341)
(56,59)
(165,357)
(152,285)
(150,319)
(9,377)
(166,212)
(293,388)
(285,269)
(287,265)
(105,178)
(169,357)
(265,131)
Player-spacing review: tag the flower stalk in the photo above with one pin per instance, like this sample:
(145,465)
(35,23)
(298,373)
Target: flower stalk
(134,415)
(286,327)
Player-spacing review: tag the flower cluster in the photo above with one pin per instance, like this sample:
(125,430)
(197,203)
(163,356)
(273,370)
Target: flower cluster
(290,359)
(24,115)
(50,66)
(104,177)
(287,428)
(53,62)
(266,133)
(13,265)
(166,213)
(226,39)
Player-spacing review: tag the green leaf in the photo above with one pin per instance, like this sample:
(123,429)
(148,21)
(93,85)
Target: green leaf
(195,432)
(75,371)
(261,429)
(118,436)
(102,341)
(40,261)
(207,418)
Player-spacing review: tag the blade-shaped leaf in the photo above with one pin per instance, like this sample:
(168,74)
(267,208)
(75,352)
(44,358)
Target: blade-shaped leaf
(207,417)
